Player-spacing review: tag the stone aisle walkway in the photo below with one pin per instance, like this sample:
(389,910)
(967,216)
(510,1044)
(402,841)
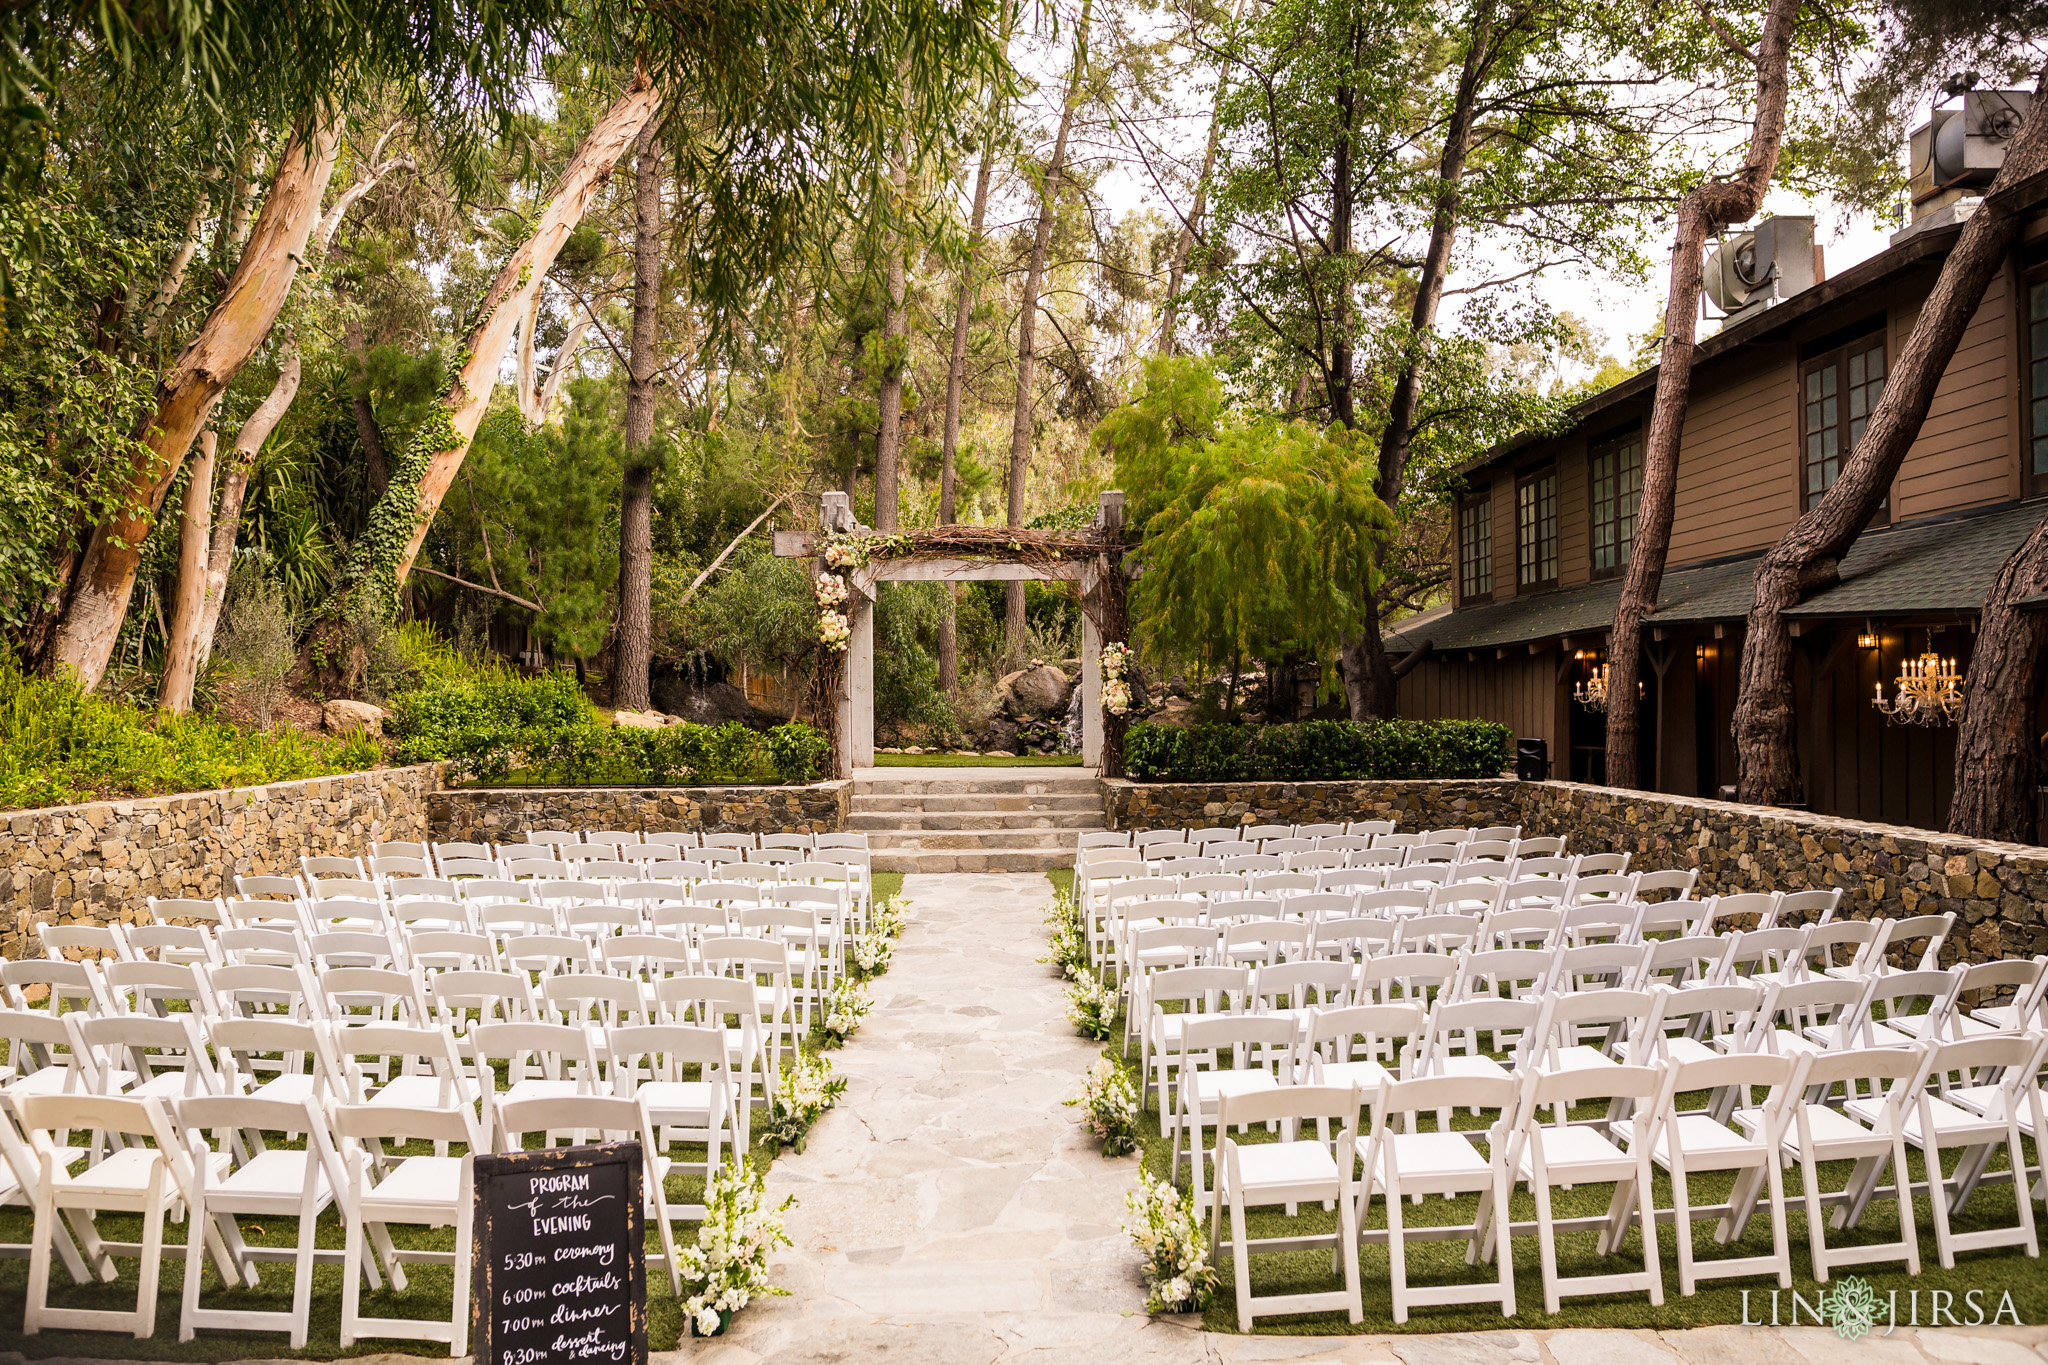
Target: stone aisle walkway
(953,1211)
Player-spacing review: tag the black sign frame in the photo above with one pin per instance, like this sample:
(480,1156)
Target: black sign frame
(494,1171)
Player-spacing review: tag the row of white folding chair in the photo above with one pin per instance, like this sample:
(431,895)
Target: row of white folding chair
(1648,1128)
(159,1157)
(689,839)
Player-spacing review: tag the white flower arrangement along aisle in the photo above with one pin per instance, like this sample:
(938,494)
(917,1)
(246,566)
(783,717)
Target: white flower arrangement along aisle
(807,1087)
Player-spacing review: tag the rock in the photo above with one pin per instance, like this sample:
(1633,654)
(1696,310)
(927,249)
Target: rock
(1174,711)
(700,703)
(639,720)
(1040,691)
(342,717)
(999,738)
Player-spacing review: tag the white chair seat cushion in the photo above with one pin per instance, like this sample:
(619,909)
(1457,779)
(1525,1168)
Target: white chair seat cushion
(1707,1143)
(125,1175)
(1567,1151)
(664,1098)
(269,1183)
(48,1080)
(1466,1066)
(1829,1126)
(1578,1057)
(1285,1163)
(1366,1074)
(432,1181)
(292,1088)
(1689,1050)
(1211,1086)
(1425,1155)
(422,1092)
(1952,1123)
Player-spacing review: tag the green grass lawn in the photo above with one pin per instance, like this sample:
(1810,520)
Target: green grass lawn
(1717,1302)
(975,761)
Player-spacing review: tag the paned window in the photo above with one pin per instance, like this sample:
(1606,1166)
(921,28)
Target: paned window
(1475,549)
(1617,479)
(1841,388)
(1536,529)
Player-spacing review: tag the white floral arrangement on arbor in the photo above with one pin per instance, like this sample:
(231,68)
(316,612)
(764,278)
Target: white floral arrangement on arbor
(728,1266)
(1164,1226)
(1116,687)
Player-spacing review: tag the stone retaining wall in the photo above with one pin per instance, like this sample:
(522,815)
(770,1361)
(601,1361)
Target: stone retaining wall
(99,862)
(502,814)
(1997,891)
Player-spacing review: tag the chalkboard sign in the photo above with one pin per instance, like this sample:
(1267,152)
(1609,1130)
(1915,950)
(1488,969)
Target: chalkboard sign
(561,1269)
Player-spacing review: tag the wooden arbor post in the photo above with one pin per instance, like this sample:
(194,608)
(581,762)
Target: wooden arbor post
(854,725)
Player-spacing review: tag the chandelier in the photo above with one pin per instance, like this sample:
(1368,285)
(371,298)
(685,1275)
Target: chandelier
(1929,692)
(1592,693)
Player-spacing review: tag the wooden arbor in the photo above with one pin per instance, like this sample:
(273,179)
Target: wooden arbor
(854,733)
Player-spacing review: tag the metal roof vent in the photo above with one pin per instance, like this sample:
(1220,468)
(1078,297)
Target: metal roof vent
(1763,265)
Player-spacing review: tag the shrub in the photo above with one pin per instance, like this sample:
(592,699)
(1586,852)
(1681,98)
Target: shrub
(495,729)
(59,746)
(1317,751)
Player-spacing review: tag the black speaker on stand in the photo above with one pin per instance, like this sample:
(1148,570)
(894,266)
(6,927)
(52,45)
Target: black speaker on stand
(1532,759)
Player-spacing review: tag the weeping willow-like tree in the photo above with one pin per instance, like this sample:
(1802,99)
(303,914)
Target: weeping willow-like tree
(1257,535)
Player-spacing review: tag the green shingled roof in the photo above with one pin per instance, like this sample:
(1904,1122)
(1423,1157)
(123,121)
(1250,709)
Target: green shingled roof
(1928,568)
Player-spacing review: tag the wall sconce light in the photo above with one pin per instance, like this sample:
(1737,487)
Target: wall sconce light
(1868,639)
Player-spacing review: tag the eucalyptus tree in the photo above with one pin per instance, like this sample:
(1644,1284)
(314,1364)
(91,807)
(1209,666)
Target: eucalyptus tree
(296,69)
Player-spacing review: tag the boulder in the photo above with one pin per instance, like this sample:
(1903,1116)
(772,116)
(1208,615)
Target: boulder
(700,703)
(1175,711)
(1039,691)
(342,717)
(639,720)
(1000,737)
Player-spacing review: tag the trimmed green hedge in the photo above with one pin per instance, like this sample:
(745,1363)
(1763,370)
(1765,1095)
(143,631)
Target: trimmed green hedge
(505,731)
(1317,751)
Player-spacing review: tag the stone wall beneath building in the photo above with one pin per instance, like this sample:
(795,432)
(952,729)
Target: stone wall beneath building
(1999,892)
(100,862)
(505,814)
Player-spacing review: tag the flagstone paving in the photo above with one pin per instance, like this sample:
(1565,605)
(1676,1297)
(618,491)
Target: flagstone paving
(952,1210)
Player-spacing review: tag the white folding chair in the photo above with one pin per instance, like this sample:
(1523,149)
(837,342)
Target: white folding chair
(1297,1169)
(134,1178)
(1575,1154)
(649,1063)
(611,1117)
(1403,1161)
(1689,1142)
(270,1182)
(427,1191)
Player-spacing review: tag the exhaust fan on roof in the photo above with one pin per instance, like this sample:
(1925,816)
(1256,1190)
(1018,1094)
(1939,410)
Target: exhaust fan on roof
(1761,265)
(1962,149)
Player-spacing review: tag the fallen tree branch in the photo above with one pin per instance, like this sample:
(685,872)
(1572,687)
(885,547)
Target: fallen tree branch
(478,587)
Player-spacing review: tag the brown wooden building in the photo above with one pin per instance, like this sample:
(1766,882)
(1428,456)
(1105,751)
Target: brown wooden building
(1778,399)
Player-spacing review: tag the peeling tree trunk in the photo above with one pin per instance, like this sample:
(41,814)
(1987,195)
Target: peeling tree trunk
(558,370)
(634,646)
(1704,208)
(239,323)
(174,275)
(405,512)
(956,379)
(1805,561)
(191,636)
(895,358)
(525,389)
(181,663)
(1021,423)
(1368,675)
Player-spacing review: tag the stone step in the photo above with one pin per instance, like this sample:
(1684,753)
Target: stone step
(976,819)
(986,801)
(976,786)
(970,860)
(972,840)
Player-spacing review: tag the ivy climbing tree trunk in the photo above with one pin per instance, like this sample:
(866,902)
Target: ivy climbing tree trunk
(1807,559)
(425,470)
(634,645)
(1021,421)
(1703,209)
(1369,678)
(239,323)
